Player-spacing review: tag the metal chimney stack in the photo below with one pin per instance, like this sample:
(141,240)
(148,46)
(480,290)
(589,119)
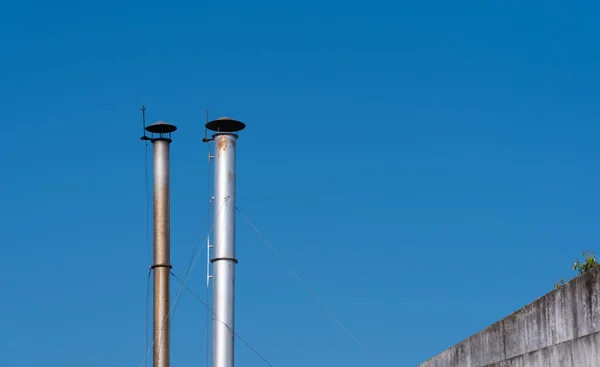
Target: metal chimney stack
(223,259)
(161,138)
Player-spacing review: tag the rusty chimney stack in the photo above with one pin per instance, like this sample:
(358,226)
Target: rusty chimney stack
(161,139)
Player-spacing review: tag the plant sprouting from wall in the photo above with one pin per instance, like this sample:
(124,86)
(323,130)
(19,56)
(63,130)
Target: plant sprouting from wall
(588,263)
(580,267)
(559,284)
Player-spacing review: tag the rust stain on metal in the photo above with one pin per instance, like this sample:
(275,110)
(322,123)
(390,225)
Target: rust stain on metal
(221,144)
(161,224)
(229,176)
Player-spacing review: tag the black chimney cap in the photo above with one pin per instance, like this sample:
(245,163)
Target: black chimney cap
(161,127)
(225,125)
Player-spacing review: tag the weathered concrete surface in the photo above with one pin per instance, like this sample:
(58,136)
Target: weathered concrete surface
(580,352)
(565,315)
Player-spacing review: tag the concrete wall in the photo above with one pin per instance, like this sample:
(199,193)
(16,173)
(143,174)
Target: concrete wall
(559,329)
(584,352)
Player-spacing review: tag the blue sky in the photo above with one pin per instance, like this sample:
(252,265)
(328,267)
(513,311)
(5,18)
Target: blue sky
(427,167)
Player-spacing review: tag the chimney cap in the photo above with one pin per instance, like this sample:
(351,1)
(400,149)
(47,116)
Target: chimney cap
(161,127)
(225,125)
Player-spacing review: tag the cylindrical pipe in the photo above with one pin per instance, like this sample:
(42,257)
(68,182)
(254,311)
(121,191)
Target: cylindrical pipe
(224,250)
(162,250)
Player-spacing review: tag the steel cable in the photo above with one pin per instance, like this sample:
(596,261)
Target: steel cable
(221,321)
(180,289)
(312,293)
